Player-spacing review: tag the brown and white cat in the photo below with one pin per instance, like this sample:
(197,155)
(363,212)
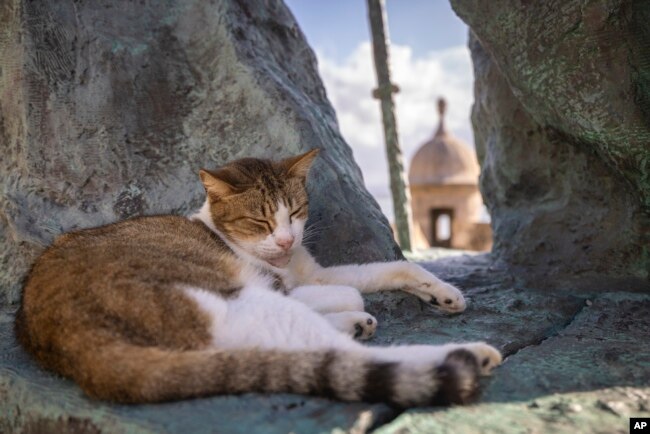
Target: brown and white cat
(228,301)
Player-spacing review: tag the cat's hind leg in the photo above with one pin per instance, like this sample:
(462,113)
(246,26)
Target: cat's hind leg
(261,318)
(329,298)
(342,306)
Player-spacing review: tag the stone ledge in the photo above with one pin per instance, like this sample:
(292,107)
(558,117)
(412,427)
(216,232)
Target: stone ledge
(556,343)
(602,411)
(589,377)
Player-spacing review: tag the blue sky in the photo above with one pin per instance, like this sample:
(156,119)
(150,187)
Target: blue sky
(336,27)
(429,59)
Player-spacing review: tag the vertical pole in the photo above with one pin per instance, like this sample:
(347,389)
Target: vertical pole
(384,92)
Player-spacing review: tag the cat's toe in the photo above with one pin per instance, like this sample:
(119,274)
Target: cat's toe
(455,304)
(442,295)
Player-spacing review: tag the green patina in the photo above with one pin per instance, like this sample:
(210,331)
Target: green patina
(564,86)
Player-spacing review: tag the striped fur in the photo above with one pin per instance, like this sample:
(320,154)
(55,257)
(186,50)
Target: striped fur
(164,308)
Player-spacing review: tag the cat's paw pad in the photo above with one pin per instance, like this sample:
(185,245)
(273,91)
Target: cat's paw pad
(365,327)
(434,291)
(442,295)
(486,355)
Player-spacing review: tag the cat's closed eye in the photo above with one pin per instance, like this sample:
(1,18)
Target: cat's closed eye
(261,223)
(295,213)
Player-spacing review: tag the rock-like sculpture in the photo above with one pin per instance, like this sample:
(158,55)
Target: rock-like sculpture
(108,109)
(562,125)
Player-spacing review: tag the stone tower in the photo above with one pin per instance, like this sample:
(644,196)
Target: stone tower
(446,202)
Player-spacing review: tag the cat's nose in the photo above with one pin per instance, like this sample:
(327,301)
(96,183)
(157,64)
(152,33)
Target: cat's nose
(285,242)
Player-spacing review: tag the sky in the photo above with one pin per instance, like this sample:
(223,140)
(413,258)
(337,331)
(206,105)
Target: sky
(429,59)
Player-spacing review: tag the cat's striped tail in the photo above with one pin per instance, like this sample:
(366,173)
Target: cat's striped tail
(131,374)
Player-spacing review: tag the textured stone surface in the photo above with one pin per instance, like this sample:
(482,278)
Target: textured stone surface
(606,411)
(590,375)
(605,345)
(108,109)
(562,128)
(556,342)
(507,314)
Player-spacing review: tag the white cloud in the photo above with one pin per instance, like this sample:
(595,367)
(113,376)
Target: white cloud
(422,80)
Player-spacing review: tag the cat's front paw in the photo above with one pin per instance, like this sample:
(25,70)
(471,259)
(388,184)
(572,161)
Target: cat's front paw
(359,325)
(443,296)
(434,291)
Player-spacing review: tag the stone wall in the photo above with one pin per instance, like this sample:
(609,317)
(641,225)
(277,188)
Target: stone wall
(108,109)
(562,126)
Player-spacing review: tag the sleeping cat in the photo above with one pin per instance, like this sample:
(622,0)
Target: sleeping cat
(228,301)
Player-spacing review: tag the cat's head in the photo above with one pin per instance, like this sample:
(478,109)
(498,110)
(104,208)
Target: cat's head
(260,205)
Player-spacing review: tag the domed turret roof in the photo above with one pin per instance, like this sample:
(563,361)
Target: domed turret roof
(444,159)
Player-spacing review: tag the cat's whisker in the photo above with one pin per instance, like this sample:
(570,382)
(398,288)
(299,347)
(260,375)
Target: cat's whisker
(311,233)
(311,237)
(316,229)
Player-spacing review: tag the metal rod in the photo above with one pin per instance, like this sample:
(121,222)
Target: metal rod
(384,92)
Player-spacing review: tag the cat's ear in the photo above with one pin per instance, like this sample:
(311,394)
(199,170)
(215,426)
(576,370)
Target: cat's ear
(299,166)
(215,187)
